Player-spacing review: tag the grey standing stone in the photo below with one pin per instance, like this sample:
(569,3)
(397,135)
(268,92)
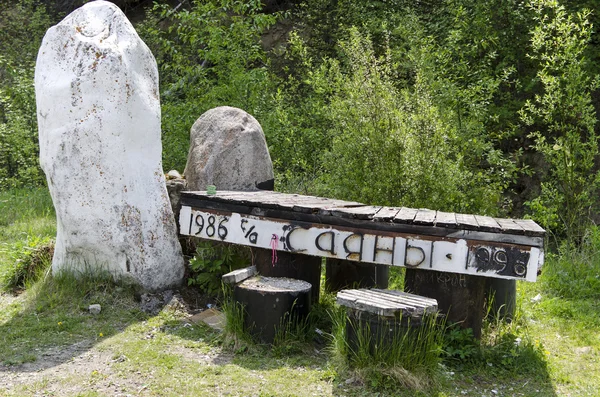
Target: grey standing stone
(228,150)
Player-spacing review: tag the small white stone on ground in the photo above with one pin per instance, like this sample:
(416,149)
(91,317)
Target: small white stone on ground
(95,308)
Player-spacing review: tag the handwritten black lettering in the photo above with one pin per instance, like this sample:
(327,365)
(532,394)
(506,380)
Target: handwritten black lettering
(351,253)
(377,249)
(332,242)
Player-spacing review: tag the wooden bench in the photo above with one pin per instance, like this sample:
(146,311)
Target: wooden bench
(442,251)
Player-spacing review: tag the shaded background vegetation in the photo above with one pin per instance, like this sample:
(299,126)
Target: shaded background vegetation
(464,105)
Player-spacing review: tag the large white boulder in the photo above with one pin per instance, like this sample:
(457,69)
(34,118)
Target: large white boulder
(98,109)
(228,149)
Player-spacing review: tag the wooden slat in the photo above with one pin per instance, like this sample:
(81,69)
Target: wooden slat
(446,219)
(362,212)
(424,217)
(509,226)
(487,224)
(371,304)
(530,227)
(323,206)
(386,302)
(386,214)
(405,215)
(407,304)
(467,221)
(423,300)
(382,300)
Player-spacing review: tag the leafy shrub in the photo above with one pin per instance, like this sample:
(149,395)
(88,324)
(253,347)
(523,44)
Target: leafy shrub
(22,27)
(565,119)
(574,272)
(212,261)
(393,146)
(460,345)
(209,54)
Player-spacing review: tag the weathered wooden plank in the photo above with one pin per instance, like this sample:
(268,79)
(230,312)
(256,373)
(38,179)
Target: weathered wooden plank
(425,217)
(237,276)
(351,301)
(455,254)
(530,227)
(386,214)
(509,226)
(362,212)
(446,219)
(386,302)
(467,221)
(424,301)
(406,215)
(487,223)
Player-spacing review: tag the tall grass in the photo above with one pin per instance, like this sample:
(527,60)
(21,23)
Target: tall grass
(27,227)
(401,354)
(574,272)
(19,205)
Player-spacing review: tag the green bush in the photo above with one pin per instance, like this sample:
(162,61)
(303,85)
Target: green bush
(209,54)
(565,119)
(212,261)
(574,272)
(22,27)
(387,145)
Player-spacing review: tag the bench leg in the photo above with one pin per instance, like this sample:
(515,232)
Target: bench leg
(460,297)
(298,266)
(340,274)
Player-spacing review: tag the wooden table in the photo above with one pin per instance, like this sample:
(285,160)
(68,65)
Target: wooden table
(407,237)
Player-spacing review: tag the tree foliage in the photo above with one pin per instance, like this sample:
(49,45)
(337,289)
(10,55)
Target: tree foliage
(464,105)
(566,120)
(22,25)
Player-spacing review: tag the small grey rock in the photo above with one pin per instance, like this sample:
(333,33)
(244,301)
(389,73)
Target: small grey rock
(95,308)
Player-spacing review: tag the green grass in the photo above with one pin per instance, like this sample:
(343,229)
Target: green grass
(27,221)
(48,338)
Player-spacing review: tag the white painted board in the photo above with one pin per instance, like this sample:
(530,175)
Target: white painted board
(456,255)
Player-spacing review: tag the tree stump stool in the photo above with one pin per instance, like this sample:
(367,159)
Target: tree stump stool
(382,313)
(271,302)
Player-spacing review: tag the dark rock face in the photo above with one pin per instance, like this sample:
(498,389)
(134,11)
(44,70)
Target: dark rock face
(66,6)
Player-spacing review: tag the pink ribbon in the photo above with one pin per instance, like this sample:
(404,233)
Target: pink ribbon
(274,240)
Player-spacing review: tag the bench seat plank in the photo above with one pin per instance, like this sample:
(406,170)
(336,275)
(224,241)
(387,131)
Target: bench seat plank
(386,214)
(405,215)
(467,221)
(530,227)
(446,219)
(387,303)
(362,212)
(509,226)
(425,217)
(488,224)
